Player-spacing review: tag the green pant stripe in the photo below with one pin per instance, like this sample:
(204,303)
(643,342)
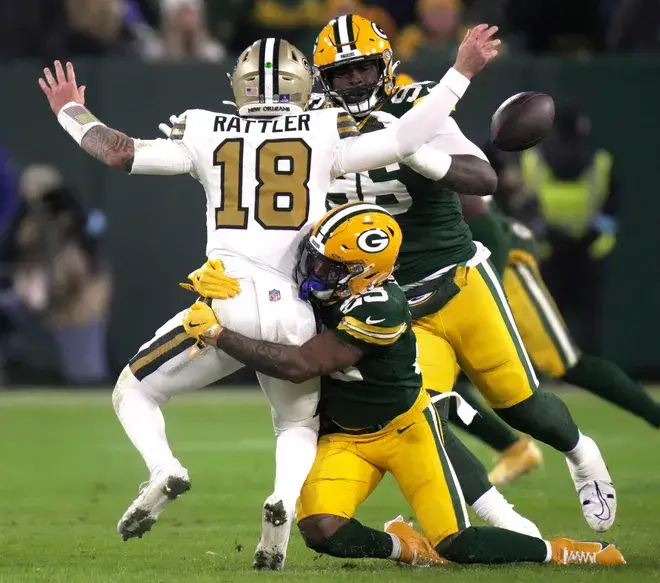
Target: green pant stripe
(457,500)
(552,322)
(493,282)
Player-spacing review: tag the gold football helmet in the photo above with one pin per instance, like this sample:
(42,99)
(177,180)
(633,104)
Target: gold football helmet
(270,78)
(345,42)
(352,248)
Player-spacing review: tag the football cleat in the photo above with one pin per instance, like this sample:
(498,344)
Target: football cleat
(572,552)
(598,500)
(518,459)
(415,549)
(165,486)
(275,532)
(594,487)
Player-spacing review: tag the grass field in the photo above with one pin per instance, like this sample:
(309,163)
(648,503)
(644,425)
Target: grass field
(68,473)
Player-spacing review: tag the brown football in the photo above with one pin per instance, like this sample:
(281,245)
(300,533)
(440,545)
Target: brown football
(522,121)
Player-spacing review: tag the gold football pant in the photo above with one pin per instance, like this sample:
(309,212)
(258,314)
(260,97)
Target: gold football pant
(476,330)
(348,468)
(540,323)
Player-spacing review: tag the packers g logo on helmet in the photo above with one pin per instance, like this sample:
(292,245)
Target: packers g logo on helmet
(378,30)
(352,248)
(373,240)
(345,41)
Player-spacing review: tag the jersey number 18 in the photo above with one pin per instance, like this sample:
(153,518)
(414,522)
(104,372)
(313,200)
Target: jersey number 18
(282,171)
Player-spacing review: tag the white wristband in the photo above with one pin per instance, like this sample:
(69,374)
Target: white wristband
(77,120)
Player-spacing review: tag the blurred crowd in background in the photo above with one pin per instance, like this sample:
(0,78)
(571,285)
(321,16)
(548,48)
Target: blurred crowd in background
(213,30)
(51,272)
(50,258)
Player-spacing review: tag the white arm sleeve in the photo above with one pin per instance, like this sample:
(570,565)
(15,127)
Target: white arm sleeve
(433,160)
(161,156)
(404,137)
(451,140)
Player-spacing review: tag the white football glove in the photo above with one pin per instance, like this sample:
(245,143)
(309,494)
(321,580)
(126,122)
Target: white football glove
(167,130)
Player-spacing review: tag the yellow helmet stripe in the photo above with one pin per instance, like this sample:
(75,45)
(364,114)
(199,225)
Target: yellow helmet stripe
(334,220)
(343,33)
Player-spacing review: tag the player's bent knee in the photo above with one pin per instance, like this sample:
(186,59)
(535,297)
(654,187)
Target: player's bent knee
(318,530)
(127,383)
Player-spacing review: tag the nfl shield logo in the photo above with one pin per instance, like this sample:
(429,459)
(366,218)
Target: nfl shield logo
(274,295)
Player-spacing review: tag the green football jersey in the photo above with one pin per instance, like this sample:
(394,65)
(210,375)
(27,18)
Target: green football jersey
(386,381)
(435,234)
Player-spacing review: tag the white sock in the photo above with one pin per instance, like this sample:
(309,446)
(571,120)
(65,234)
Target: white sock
(294,457)
(583,451)
(586,462)
(143,421)
(396,547)
(492,503)
(496,510)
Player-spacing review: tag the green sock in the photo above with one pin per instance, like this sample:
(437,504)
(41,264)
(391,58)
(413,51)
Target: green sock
(470,472)
(355,541)
(492,546)
(486,426)
(546,418)
(605,379)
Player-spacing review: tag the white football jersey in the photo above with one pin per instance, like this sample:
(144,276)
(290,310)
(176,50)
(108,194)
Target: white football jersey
(265,179)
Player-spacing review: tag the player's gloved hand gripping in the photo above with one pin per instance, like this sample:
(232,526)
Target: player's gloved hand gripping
(201,323)
(211,281)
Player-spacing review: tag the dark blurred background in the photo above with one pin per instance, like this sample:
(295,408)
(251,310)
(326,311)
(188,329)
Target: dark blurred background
(89,259)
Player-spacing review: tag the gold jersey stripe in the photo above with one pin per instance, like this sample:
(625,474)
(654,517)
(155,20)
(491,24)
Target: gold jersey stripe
(171,347)
(370,333)
(346,126)
(348,133)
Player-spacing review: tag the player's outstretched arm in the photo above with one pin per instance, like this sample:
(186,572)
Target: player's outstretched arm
(112,147)
(324,354)
(422,123)
(450,158)
(470,175)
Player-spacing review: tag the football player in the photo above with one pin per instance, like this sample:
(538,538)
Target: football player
(546,337)
(376,416)
(265,172)
(460,311)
